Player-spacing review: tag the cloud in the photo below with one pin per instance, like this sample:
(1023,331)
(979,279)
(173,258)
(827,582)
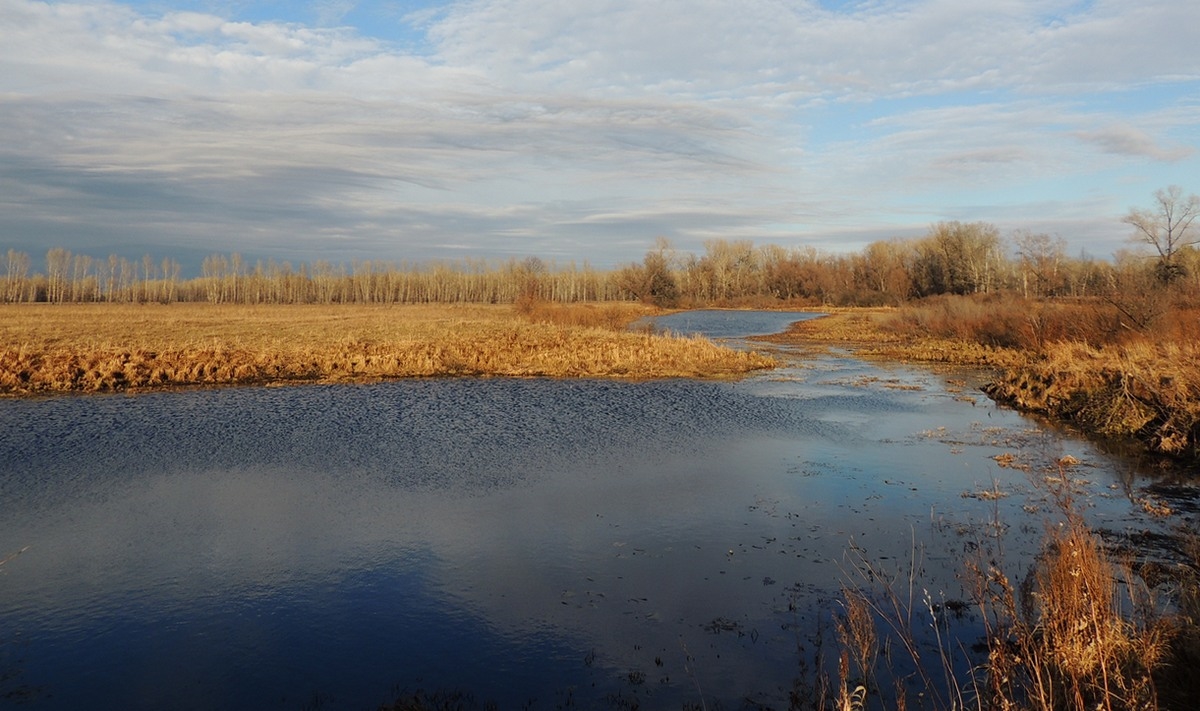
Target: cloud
(767,49)
(529,126)
(332,12)
(1125,140)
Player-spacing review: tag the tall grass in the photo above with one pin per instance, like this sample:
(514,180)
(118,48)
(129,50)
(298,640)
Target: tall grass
(1080,361)
(94,347)
(1082,631)
(1145,390)
(1008,321)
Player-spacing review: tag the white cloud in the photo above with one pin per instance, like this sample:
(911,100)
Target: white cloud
(570,125)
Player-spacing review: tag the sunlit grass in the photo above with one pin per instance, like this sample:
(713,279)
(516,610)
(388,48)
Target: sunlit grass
(1068,360)
(60,348)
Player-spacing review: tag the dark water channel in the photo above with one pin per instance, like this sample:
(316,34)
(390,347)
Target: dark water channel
(532,543)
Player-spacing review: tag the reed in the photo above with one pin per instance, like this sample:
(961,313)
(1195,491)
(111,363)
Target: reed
(97,347)
(1143,390)
(1069,360)
(871,332)
(1083,631)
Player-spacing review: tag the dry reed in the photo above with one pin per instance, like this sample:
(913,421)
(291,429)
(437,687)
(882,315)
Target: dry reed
(61,348)
(1068,360)
(1083,631)
(1143,390)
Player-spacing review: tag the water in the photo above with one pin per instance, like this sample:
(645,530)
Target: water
(532,543)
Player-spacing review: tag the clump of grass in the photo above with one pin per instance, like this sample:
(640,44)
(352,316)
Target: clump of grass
(1081,632)
(1140,390)
(612,315)
(858,637)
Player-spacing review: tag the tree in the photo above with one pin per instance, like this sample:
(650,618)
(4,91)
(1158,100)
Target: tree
(58,265)
(17,275)
(1168,228)
(957,258)
(729,268)
(881,269)
(1041,257)
(651,282)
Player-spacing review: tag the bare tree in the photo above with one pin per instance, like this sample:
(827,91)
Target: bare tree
(58,266)
(1041,256)
(957,258)
(1168,228)
(651,282)
(17,277)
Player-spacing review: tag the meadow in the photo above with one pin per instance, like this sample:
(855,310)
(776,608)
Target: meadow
(51,348)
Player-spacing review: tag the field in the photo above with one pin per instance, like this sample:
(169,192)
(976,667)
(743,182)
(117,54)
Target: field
(113,347)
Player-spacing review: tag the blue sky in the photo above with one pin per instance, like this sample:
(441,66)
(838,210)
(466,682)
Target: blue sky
(344,130)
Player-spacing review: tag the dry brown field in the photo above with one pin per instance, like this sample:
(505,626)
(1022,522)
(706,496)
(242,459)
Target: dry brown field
(46,348)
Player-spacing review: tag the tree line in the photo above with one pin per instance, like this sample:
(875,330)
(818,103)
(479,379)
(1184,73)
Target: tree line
(951,258)
(231,279)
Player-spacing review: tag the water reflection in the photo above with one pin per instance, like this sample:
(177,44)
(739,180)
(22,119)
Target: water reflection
(517,539)
(728,324)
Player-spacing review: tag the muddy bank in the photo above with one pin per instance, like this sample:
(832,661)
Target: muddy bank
(1146,393)
(1144,396)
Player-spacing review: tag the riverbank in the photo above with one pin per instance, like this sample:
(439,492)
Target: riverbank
(1136,388)
(117,347)
(1116,616)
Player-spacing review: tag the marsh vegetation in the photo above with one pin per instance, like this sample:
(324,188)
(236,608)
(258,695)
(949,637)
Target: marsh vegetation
(114,347)
(532,542)
(1107,344)
(1075,611)
(1071,361)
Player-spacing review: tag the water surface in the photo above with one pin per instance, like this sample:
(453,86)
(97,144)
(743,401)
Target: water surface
(529,542)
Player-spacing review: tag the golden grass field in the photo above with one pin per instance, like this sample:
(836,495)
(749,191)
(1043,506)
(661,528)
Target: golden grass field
(46,348)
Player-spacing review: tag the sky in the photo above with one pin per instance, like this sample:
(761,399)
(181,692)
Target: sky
(413,131)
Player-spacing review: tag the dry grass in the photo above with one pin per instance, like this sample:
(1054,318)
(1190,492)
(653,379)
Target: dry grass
(1068,360)
(62,348)
(1008,321)
(872,332)
(615,316)
(1144,390)
(1082,632)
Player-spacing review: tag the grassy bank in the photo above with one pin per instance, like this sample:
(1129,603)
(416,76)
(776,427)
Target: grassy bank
(1093,623)
(111,347)
(1086,625)
(1080,362)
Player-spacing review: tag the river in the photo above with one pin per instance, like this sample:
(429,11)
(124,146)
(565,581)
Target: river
(526,543)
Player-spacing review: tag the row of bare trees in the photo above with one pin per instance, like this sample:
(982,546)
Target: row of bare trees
(951,258)
(77,278)
(81,278)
